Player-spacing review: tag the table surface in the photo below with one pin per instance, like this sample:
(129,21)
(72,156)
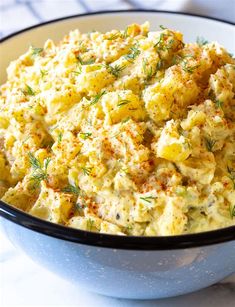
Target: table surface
(24,283)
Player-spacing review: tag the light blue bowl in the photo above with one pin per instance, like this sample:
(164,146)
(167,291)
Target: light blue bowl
(118,266)
(125,267)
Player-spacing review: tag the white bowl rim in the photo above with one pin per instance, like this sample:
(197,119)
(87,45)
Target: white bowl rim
(112,12)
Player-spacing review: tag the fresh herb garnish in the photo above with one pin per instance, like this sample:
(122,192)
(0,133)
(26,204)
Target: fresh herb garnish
(187,68)
(181,58)
(160,43)
(163,44)
(122,102)
(232,211)
(87,62)
(176,59)
(125,33)
(116,69)
(219,103)
(35,163)
(28,91)
(82,47)
(85,135)
(148,71)
(86,170)
(162,27)
(134,52)
(113,36)
(160,64)
(97,98)
(73,189)
(77,72)
(39,170)
(43,73)
(80,207)
(60,135)
(180,130)
(125,120)
(231,173)
(180,190)
(148,199)
(36,51)
(201,41)
(90,224)
(129,228)
(170,44)
(210,143)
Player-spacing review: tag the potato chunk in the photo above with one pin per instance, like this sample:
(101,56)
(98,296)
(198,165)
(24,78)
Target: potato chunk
(120,105)
(171,145)
(52,206)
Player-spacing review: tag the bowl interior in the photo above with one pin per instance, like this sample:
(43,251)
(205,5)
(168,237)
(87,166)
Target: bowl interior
(190,26)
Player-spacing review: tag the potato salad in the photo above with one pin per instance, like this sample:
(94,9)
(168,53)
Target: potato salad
(129,132)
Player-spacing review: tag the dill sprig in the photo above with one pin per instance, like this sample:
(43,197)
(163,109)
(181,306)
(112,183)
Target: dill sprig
(77,72)
(28,91)
(97,98)
(210,143)
(132,55)
(129,228)
(160,64)
(43,73)
(148,199)
(36,51)
(231,173)
(148,71)
(73,189)
(180,130)
(87,62)
(82,47)
(160,43)
(180,58)
(187,68)
(90,224)
(218,103)
(60,135)
(35,163)
(39,170)
(125,33)
(163,43)
(201,41)
(232,211)
(169,44)
(46,163)
(125,120)
(80,207)
(122,102)
(113,36)
(85,135)
(86,170)
(116,69)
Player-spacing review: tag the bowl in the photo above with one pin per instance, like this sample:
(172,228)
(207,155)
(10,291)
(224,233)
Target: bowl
(121,266)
